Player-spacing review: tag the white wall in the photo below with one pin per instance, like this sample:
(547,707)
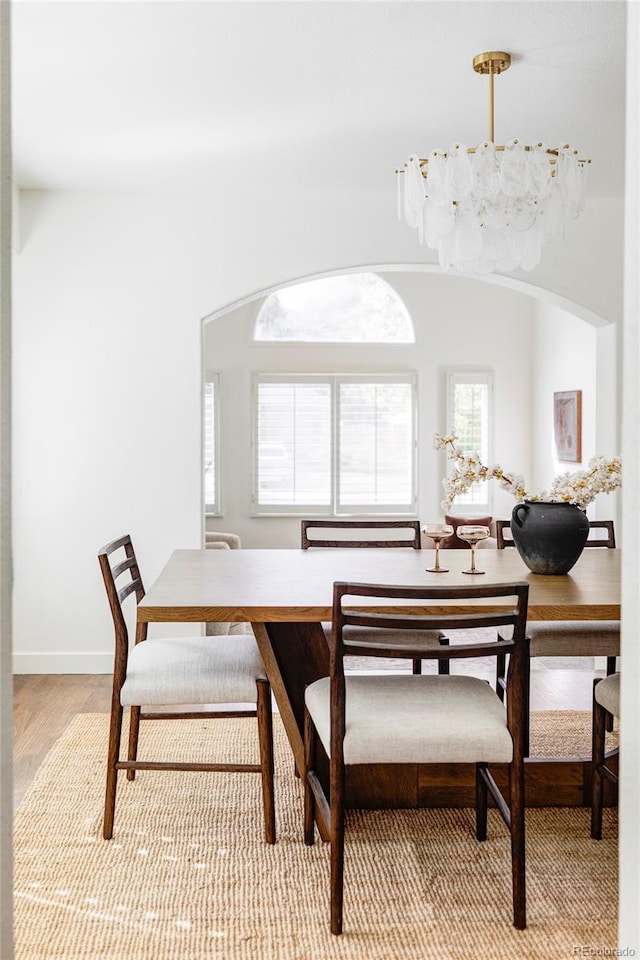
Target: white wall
(595,246)
(564,350)
(6,573)
(569,354)
(106,412)
(460,324)
(629,798)
(109,296)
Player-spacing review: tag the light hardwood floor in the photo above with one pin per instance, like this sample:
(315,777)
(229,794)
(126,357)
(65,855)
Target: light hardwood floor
(45,704)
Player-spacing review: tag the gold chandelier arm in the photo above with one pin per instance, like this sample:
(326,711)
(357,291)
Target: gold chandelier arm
(551,151)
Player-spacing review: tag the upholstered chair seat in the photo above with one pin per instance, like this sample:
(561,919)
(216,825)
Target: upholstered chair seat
(414,719)
(592,638)
(389,639)
(607,694)
(192,670)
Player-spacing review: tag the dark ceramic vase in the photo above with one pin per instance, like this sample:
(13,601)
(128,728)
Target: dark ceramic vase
(549,536)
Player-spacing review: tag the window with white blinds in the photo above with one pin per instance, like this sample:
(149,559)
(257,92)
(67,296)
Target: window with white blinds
(210,443)
(334,444)
(469,415)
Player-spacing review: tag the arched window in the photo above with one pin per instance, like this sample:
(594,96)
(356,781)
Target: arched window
(353,308)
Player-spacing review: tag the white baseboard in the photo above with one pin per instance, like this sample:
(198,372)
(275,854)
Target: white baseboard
(62,663)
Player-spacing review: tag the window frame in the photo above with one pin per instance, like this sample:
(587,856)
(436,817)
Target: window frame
(453,378)
(211,378)
(333,508)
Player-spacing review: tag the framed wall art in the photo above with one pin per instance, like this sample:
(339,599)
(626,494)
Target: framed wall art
(567,425)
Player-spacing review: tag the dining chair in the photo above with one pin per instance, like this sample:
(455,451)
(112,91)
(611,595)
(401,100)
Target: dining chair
(606,703)
(187,671)
(567,638)
(378,528)
(370,719)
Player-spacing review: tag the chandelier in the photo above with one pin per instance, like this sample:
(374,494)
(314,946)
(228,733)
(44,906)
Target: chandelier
(491,207)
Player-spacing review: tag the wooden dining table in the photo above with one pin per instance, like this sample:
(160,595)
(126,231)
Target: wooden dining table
(286,595)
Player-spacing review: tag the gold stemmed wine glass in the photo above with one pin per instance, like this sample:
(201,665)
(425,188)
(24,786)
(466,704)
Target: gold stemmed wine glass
(438,532)
(473,534)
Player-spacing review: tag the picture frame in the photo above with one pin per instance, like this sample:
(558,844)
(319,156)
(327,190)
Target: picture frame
(567,425)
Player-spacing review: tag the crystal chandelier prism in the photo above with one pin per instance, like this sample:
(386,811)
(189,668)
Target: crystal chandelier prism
(491,207)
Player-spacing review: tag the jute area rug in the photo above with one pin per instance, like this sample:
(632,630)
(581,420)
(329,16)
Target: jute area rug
(188,877)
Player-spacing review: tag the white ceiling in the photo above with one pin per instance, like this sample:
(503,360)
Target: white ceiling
(255,96)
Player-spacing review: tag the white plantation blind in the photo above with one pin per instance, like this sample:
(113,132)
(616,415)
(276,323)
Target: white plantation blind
(210,443)
(292,449)
(376,444)
(469,414)
(334,444)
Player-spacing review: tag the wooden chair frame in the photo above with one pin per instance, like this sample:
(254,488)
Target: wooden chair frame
(116,594)
(330,811)
(609,540)
(415,541)
(501,540)
(600,772)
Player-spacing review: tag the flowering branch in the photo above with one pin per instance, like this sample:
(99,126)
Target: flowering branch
(580,488)
(583,486)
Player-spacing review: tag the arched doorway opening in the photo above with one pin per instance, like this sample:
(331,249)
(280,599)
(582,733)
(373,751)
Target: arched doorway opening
(534,340)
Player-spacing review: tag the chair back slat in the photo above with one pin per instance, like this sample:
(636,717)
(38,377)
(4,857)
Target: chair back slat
(416,621)
(119,568)
(131,587)
(378,540)
(462,650)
